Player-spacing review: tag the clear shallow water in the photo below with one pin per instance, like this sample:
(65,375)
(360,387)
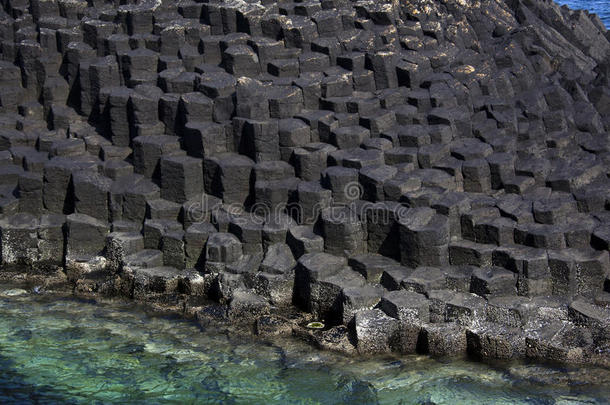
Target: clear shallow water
(599,7)
(73,351)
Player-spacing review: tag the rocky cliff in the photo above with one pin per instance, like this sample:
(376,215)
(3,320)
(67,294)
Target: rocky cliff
(420,175)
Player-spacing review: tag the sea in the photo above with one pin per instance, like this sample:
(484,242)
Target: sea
(58,349)
(599,7)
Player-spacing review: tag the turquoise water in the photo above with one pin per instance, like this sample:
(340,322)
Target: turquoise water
(65,350)
(599,7)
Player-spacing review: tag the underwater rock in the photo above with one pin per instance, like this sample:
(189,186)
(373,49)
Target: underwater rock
(13,292)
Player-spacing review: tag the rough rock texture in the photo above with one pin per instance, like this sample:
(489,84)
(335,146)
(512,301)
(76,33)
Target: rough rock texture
(424,175)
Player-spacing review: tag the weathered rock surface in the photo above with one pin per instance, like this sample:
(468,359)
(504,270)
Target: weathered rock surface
(421,176)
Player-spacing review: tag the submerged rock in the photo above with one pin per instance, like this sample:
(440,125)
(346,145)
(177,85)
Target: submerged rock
(13,292)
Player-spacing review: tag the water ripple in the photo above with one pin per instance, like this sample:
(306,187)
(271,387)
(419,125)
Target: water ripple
(73,351)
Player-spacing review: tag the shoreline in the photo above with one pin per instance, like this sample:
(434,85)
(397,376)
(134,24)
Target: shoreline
(157,341)
(422,176)
(290,323)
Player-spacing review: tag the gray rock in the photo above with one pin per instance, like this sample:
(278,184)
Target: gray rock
(371,266)
(424,279)
(558,341)
(245,306)
(278,259)
(354,299)
(223,247)
(319,280)
(195,239)
(276,288)
(302,240)
(510,311)
(343,231)
(154,280)
(465,308)
(493,281)
(392,277)
(405,306)
(443,340)
(493,341)
(19,239)
(85,236)
(120,245)
(374,331)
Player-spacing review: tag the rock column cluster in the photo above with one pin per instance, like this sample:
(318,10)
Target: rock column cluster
(419,175)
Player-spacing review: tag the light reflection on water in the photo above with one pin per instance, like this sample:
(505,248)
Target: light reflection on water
(74,351)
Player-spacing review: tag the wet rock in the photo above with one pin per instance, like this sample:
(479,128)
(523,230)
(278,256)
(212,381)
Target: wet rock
(359,391)
(277,288)
(13,292)
(443,340)
(119,245)
(493,341)
(245,306)
(411,310)
(194,284)
(212,315)
(374,331)
(19,239)
(271,325)
(153,281)
(87,274)
(558,341)
(338,338)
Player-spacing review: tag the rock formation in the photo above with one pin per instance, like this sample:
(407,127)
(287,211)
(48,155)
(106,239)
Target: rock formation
(422,175)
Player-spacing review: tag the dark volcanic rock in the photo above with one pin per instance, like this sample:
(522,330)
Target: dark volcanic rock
(423,175)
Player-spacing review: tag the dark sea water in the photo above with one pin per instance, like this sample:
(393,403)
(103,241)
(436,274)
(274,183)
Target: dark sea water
(60,350)
(599,7)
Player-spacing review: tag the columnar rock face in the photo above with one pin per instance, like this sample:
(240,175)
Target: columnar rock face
(424,175)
